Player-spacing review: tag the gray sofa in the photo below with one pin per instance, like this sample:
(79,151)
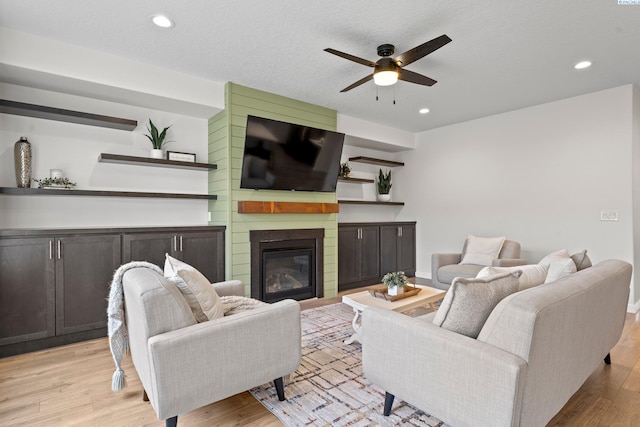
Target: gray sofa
(184,365)
(535,350)
(446,266)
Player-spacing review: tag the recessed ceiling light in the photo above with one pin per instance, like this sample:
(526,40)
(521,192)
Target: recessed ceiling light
(423,111)
(582,65)
(162,21)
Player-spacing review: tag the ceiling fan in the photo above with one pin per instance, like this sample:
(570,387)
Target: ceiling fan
(388,70)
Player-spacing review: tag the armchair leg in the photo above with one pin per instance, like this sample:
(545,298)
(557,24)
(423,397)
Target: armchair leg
(607,359)
(388,403)
(279,388)
(171,422)
(145,398)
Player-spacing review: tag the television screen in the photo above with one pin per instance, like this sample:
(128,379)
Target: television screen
(285,156)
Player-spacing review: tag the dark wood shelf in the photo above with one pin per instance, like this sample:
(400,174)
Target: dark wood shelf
(144,161)
(372,161)
(50,113)
(369,202)
(356,180)
(62,192)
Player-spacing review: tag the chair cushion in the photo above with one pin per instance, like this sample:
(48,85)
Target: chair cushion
(447,273)
(560,265)
(197,290)
(532,274)
(482,250)
(469,302)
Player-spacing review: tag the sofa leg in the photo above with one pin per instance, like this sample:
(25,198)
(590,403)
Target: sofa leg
(171,422)
(279,388)
(607,359)
(145,398)
(388,403)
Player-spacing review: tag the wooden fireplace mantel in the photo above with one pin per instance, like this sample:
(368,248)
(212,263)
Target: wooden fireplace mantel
(253,207)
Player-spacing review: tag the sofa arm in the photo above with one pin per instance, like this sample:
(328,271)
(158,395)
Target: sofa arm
(229,288)
(203,363)
(462,381)
(508,262)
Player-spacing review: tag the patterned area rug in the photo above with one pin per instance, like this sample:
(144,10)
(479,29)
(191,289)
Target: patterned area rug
(329,389)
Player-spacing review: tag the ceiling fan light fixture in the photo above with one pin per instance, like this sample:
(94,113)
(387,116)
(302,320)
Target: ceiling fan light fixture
(385,78)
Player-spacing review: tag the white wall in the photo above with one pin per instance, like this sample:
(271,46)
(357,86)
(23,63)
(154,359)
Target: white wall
(75,149)
(539,175)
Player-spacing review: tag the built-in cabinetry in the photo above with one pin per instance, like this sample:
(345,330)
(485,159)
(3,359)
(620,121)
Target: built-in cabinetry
(367,251)
(54,284)
(371,161)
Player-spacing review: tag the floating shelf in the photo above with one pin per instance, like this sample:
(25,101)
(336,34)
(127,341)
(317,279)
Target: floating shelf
(369,202)
(62,192)
(144,161)
(356,180)
(50,113)
(372,161)
(251,207)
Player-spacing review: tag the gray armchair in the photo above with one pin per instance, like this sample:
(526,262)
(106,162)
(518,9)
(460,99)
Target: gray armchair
(184,365)
(446,266)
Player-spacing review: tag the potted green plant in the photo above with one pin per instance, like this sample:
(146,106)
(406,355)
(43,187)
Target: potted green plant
(384,186)
(157,139)
(345,169)
(395,281)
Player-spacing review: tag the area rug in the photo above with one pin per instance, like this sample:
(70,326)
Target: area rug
(329,389)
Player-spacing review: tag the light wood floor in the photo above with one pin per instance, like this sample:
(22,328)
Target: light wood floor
(71,386)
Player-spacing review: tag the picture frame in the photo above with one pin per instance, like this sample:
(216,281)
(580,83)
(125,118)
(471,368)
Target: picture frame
(181,157)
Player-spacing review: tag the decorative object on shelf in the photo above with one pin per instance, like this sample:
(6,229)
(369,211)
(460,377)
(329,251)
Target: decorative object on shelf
(395,281)
(56,173)
(345,170)
(157,139)
(181,157)
(55,183)
(22,161)
(384,186)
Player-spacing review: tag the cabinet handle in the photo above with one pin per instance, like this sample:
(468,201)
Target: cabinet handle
(175,243)
(399,231)
(59,248)
(180,243)
(360,233)
(50,249)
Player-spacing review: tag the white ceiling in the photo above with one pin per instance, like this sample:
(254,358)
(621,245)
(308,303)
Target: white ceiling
(504,55)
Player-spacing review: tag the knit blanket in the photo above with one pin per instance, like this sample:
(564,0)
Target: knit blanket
(117,329)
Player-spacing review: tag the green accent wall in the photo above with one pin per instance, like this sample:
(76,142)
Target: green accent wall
(226,147)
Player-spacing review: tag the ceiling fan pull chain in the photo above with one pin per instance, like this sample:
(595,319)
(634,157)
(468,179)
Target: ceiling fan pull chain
(394,95)
(376,93)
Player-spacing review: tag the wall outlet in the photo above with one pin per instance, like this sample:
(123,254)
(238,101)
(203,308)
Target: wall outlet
(608,215)
(209,216)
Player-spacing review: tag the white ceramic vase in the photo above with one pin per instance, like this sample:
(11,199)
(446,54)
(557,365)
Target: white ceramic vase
(384,197)
(396,290)
(157,153)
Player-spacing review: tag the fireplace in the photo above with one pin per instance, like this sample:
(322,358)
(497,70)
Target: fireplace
(286,264)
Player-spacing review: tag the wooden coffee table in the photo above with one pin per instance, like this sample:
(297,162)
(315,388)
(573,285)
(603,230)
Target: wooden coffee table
(361,300)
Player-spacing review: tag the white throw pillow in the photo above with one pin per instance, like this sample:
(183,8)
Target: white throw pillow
(196,289)
(469,302)
(560,265)
(482,250)
(532,274)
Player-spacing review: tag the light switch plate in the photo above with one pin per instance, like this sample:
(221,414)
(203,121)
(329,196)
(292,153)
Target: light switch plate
(610,215)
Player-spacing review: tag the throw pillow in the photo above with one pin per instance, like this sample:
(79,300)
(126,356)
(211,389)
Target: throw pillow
(560,265)
(532,274)
(469,302)
(582,260)
(482,250)
(196,289)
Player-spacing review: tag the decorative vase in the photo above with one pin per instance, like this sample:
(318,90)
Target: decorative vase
(396,290)
(22,160)
(157,153)
(384,197)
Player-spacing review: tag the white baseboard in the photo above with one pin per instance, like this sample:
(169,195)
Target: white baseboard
(632,308)
(423,274)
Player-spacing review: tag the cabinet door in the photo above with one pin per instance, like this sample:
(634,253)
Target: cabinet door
(84,269)
(370,253)
(348,255)
(406,250)
(389,239)
(203,250)
(27,290)
(150,247)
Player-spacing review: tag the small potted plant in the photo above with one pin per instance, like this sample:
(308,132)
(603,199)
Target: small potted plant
(345,169)
(395,281)
(384,186)
(57,182)
(157,139)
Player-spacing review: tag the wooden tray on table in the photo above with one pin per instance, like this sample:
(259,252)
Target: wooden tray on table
(382,292)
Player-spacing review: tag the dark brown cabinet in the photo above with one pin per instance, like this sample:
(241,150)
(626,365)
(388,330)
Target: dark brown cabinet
(358,255)
(398,248)
(367,251)
(204,250)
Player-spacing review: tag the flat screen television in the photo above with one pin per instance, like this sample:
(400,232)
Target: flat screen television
(285,156)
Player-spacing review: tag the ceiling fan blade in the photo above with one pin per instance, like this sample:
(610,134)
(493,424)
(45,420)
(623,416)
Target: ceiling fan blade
(351,57)
(421,51)
(410,76)
(358,83)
